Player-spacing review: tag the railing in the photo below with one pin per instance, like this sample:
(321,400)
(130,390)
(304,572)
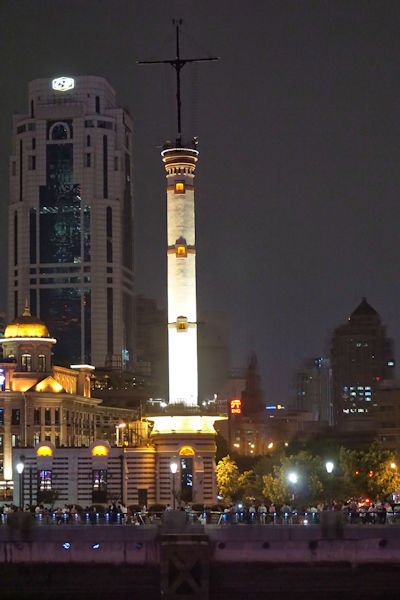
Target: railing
(54,518)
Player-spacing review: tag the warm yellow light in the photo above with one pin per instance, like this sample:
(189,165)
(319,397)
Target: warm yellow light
(182,325)
(122,425)
(252,445)
(181,250)
(44,451)
(186,451)
(236,445)
(48,385)
(393,466)
(184,424)
(100,450)
(271,445)
(179,186)
(286,444)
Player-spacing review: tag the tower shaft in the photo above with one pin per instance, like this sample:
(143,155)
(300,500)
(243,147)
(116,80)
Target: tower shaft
(180,164)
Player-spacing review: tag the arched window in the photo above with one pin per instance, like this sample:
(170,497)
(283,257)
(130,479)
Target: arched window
(42,363)
(59,131)
(26,362)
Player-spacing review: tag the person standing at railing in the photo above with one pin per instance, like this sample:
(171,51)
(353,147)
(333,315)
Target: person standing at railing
(262,512)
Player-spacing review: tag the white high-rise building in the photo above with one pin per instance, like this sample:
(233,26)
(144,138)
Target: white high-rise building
(71,219)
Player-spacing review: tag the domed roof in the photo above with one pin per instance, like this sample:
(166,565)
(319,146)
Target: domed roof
(364,309)
(26,326)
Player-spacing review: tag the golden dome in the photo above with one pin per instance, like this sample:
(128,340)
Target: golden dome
(26,326)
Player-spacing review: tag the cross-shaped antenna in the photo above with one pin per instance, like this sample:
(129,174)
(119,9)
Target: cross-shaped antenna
(178,63)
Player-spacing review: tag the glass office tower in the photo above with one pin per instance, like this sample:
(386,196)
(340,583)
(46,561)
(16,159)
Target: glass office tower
(71,219)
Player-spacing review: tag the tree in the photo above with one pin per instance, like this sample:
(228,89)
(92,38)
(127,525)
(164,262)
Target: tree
(227,479)
(372,472)
(309,489)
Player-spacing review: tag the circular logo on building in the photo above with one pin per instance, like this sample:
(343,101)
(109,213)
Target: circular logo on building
(62,84)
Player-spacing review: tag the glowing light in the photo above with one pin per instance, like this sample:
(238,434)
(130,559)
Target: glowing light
(66,545)
(184,424)
(91,367)
(271,445)
(63,84)
(49,385)
(329,466)
(181,250)
(393,465)
(174,467)
(236,406)
(179,186)
(100,450)
(293,478)
(20,468)
(236,445)
(186,451)
(44,451)
(122,425)
(28,338)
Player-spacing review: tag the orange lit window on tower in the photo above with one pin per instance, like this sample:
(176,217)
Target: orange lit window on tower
(100,450)
(181,323)
(44,451)
(179,187)
(181,250)
(186,451)
(236,406)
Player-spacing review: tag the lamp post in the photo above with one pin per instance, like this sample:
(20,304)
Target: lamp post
(293,479)
(20,471)
(174,467)
(329,466)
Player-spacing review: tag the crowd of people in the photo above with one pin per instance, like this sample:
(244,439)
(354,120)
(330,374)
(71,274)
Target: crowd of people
(352,511)
(117,513)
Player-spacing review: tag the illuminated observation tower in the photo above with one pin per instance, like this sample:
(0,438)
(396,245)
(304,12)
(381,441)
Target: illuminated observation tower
(184,438)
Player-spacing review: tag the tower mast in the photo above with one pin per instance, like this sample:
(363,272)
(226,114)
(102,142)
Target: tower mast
(180,163)
(177,63)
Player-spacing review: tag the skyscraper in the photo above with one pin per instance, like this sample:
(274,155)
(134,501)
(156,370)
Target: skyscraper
(71,219)
(361,357)
(314,389)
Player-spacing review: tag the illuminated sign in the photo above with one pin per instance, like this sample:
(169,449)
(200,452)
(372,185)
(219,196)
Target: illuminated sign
(63,84)
(236,406)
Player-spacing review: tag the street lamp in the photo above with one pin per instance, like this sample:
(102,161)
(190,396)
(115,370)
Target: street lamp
(293,478)
(329,466)
(174,467)
(20,471)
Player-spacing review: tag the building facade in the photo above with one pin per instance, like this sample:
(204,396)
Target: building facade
(361,357)
(71,219)
(313,383)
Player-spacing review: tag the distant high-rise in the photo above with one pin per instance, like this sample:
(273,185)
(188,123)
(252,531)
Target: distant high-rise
(361,357)
(314,389)
(71,219)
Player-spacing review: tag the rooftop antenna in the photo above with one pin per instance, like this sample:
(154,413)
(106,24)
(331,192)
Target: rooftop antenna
(178,63)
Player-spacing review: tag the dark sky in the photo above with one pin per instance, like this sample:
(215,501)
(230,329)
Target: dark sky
(298,181)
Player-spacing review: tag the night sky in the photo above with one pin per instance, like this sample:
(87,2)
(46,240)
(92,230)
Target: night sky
(297,187)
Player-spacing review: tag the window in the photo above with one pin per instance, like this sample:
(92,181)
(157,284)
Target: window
(15,441)
(32,235)
(44,483)
(88,159)
(99,489)
(57,441)
(109,229)
(105,166)
(97,101)
(15,416)
(1,442)
(42,363)
(181,323)
(59,131)
(179,187)
(115,164)
(187,478)
(1,416)
(32,163)
(26,362)
(36,438)
(33,143)
(36,416)
(13,168)
(88,141)
(56,416)
(47,416)
(90,123)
